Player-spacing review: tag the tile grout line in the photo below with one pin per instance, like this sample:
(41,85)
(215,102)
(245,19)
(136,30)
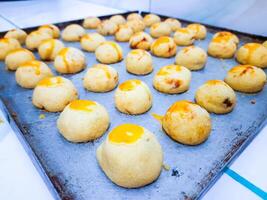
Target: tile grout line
(247,184)
(9,21)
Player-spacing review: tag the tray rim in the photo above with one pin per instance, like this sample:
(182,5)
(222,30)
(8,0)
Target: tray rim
(55,187)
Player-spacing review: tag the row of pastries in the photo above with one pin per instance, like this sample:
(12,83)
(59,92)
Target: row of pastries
(131,155)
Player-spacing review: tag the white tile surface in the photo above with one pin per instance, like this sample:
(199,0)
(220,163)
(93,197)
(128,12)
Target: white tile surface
(34,13)
(19,178)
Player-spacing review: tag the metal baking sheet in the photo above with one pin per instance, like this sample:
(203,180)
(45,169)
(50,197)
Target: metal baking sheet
(73,168)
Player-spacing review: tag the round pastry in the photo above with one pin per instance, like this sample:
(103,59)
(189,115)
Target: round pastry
(70,60)
(141,40)
(107,27)
(184,37)
(173,23)
(252,54)
(216,97)
(223,45)
(50,29)
(73,33)
(151,19)
(227,35)
(265,44)
(246,78)
(17,34)
(187,123)
(54,93)
(91,22)
(160,29)
(133,97)
(192,57)
(163,47)
(100,78)
(134,16)
(139,62)
(17,57)
(49,48)
(91,41)
(172,79)
(35,38)
(130,156)
(7,45)
(83,121)
(124,33)
(199,30)
(30,73)
(109,52)
(137,25)
(118,19)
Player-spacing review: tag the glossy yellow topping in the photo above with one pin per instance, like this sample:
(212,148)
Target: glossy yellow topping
(180,106)
(33,64)
(214,82)
(116,47)
(251,47)
(129,85)
(63,53)
(183,30)
(161,40)
(87,37)
(186,49)
(22,50)
(83,105)
(4,40)
(50,48)
(169,69)
(223,37)
(104,68)
(51,81)
(194,27)
(242,69)
(126,133)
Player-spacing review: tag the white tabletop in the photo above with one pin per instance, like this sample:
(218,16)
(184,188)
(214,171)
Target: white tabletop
(245,178)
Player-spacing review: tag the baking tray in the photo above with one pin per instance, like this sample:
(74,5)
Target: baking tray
(73,168)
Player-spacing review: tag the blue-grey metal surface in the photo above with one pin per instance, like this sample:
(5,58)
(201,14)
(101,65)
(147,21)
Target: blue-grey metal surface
(73,167)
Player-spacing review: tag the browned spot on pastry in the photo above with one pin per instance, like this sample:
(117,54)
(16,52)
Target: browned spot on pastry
(227,102)
(247,69)
(174,82)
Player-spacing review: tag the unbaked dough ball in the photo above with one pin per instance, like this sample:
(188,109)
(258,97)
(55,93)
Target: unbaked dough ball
(107,27)
(192,57)
(246,78)
(160,29)
(91,41)
(133,97)
(151,19)
(118,19)
(83,121)
(17,34)
(54,93)
(91,22)
(172,79)
(100,78)
(252,54)
(139,62)
(184,37)
(173,23)
(265,44)
(30,73)
(48,49)
(134,16)
(130,156)
(137,25)
(187,123)
(109,52)
(17,57)
(223,45)
(73,33)
(70,60)
(216,97)
(7,45)
(227,35)
(35,38)
(141,40)
(163,47)
(199,30)
(50,29)
(124,33)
